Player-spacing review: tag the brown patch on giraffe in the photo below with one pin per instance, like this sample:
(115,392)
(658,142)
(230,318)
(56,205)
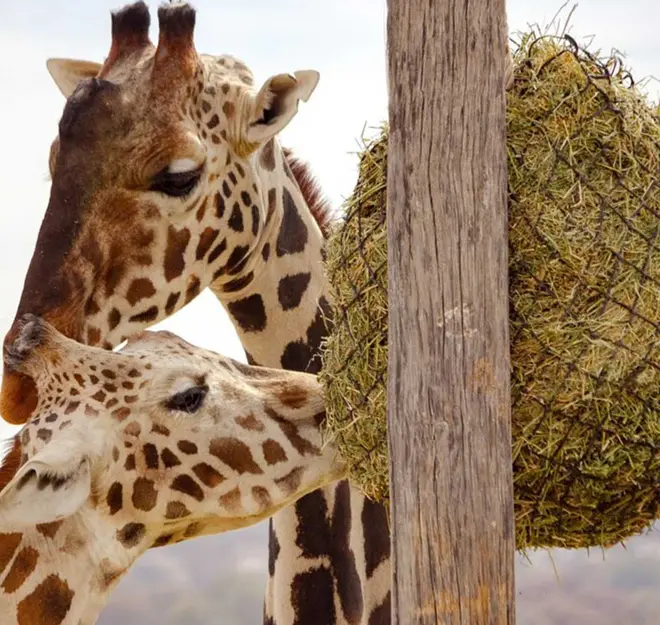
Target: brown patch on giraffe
(73,543)
(255,219)
(109,574)
(145,496)
(236,218)
(169,458)
(171,303)
(140,288)
(206,239)
(176,510)
(156,428)
(219,249)
(9,543)
(267,156)
(23,566)
(129,465)
(146,316)
(272,203)
(273,549)
(346,575)
(250,422)
(44,435)
(114,317)
(185,484)
(249,313)
(91,307)
(229,109)
(194,529)
(290,483)
(121,413)
(376,535)
(273,452)
(208,475)
(290,430)
(71,407)
(219,205)
(312,597)
(192,289)
(131,534)
(115,498)
(177,242)
(49,530)
(133,429)
(292,395)
(201,211)
(231,500)
(10,465)
(162,541)
(150,456)
(237,259)
(291,289)
(47,604)
(187,447)
(262,497)
(235,454)
(304,355)
(293,235)
(99,396)
(238,284)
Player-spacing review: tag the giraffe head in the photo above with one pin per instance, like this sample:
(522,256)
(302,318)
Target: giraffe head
(157,443)
(161,186)
(186,435)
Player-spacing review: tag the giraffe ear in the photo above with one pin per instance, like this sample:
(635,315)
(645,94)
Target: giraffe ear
(67,73)
(52,485)
(277,103)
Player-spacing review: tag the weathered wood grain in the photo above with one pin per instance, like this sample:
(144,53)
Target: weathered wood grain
(448,377)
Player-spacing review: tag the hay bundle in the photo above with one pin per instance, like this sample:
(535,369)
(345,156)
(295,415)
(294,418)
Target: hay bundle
(584,279)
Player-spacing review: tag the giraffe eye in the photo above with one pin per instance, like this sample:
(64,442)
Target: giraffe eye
(189,401)
(176,183)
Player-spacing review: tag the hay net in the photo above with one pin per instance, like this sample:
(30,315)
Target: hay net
(584,284)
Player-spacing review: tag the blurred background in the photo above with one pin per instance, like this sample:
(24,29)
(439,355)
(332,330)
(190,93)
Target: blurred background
(222,579)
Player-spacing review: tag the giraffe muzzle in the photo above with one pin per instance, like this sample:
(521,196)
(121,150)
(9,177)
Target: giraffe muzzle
(30,335)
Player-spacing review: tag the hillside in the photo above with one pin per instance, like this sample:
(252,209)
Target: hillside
(220,580)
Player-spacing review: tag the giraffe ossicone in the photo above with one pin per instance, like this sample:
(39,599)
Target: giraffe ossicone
(156,443)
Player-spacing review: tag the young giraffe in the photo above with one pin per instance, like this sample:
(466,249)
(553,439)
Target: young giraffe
(167,178)
(155,444)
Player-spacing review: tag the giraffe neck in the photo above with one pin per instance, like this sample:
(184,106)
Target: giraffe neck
(280,316)
(60,572)
(329,552)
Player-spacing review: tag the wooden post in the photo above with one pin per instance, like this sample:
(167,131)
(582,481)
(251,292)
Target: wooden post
(448,376)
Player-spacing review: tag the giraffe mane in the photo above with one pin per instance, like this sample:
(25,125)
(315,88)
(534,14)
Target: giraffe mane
(11,462)
(318,204)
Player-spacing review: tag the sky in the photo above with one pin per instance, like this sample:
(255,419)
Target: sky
(343,39)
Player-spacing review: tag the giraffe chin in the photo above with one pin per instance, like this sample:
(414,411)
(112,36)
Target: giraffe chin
(18,398)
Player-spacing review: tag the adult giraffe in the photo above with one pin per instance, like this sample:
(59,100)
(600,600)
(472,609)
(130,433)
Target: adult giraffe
(167,178)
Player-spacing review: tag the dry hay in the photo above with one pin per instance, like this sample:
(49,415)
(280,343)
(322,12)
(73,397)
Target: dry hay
(584,278)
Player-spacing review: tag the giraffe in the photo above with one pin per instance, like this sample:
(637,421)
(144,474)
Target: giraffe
(153,444)
(168,178)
